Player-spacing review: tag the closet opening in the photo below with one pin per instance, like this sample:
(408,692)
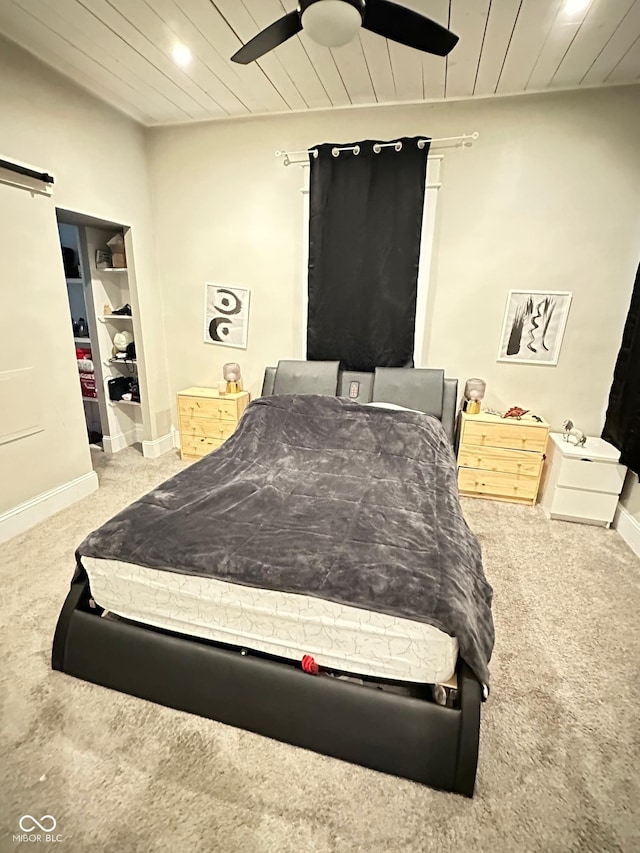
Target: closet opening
(101,289)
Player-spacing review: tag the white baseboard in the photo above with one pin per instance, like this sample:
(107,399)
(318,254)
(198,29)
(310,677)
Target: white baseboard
(31,512)
(114,443)
(628,527)
(164,444)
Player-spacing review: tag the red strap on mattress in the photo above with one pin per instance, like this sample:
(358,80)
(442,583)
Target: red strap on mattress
(310,666)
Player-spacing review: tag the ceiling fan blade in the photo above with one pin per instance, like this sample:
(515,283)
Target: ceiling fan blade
(408,27)
(274,35)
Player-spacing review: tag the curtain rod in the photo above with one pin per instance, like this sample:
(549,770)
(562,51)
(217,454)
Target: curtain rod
(26,171)
(463,141)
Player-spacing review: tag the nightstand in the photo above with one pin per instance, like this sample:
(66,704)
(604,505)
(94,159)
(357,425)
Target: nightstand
(582,483)
(501,458)
(207,419)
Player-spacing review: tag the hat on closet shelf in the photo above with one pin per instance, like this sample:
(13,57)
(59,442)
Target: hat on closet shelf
(121,341)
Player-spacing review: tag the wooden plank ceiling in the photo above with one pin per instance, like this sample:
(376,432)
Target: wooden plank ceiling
(122,50)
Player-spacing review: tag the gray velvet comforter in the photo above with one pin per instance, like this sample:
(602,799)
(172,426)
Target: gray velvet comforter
(326,498)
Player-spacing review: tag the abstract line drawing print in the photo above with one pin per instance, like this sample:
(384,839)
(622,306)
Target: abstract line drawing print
(226,315)
(533,327)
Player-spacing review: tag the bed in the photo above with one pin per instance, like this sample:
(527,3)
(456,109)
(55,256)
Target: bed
(171,600)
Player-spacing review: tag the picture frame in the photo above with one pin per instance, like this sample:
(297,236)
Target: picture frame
(226,315)
(533,326)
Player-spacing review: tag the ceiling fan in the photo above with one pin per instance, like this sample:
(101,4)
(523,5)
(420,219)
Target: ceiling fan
(335,22)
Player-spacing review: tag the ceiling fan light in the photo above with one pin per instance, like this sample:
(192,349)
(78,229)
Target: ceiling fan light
(331,23)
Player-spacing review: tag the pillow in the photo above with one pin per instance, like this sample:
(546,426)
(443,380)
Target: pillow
(394,407)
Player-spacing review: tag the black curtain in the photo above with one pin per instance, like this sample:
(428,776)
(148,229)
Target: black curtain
(622,424)
(365,224)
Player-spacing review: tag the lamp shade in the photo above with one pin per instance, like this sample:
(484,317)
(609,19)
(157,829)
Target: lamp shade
(474,389)
(231,372)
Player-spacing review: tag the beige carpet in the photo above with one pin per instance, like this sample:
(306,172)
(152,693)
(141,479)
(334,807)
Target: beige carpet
(560,748)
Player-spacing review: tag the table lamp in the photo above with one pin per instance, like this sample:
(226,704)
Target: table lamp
(231,373)
(473,392)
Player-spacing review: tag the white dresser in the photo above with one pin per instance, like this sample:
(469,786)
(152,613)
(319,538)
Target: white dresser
(582,483)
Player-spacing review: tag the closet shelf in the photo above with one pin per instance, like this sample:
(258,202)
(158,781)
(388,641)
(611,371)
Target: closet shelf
(106,317)
(82,340)
(112,269)
(121,361)
(123,403)
(89,399)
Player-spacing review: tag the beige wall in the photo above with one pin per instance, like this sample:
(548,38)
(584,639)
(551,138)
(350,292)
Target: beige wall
(98,159)
(549,197)
(630,499)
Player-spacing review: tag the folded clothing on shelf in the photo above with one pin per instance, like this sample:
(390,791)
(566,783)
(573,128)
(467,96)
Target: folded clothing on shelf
(85,361)
(88,385)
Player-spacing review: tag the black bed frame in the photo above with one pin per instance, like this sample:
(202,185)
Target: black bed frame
(409,737)
(404,736)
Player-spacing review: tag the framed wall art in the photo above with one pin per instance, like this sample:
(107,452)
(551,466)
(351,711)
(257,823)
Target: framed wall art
(226,315)
(533,326)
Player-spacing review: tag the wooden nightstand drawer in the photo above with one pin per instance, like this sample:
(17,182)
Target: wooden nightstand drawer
(496,459)
(509,434)
(201,407)
(198,447)
(497,484)
(590,475)
(198,428)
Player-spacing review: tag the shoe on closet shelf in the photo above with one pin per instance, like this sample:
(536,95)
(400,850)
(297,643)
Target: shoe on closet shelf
(125,310)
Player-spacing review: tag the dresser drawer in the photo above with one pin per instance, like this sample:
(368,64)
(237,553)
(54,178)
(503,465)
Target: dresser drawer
(589,507)
(197,447)
(507,434)
(201,407)
(497,459)
(198,428)
(591,475)
(497,484)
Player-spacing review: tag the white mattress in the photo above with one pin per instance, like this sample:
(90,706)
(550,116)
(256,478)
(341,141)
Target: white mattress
(277,623)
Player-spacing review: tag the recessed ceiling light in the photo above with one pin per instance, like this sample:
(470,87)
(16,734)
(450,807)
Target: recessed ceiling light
(181,54)
(572,7)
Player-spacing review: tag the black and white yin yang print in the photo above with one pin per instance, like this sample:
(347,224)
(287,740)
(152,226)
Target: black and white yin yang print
(226,317)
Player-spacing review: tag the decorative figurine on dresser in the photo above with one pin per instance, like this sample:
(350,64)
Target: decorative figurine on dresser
(583,480)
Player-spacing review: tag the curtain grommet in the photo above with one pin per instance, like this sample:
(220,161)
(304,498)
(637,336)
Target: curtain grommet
(398,146)
(356,150)
(377,148)
(422,143)
(335,152)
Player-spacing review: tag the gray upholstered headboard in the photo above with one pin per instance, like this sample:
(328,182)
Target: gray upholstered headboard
(426,390)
